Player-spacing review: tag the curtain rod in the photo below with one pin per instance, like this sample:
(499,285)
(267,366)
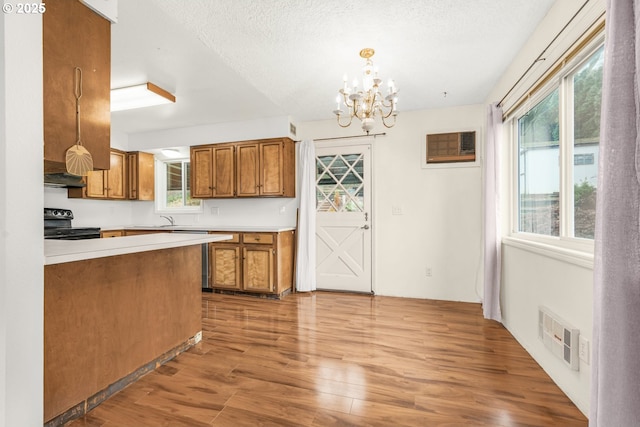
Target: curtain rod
(540,58)
(355,136)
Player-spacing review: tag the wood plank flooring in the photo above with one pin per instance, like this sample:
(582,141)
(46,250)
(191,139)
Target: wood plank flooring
(332,359)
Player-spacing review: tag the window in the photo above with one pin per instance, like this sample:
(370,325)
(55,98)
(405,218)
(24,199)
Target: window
(173,187)
(557,139)
(340,183)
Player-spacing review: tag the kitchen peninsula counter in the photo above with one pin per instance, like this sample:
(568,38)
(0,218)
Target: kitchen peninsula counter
(205,228)
(114,310)
(61,251)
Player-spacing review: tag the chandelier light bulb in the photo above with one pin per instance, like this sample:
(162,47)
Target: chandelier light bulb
(369,103)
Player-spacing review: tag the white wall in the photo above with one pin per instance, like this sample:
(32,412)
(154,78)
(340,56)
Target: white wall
(21,243)
(529,278)
(440,225)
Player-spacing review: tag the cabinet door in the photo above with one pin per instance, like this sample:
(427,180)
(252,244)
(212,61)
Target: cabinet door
(140,176)
(271,169)
(116,177)
(224,171)
(224,263)
(248,176)
(74,36)
(258,269)
(96,184)
(201,173)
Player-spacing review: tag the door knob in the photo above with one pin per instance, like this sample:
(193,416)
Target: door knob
(365,227)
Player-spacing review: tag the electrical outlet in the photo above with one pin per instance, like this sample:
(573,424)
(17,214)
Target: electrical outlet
(397,210)
(583,349)
(215,211)
(428,272)
(283,209)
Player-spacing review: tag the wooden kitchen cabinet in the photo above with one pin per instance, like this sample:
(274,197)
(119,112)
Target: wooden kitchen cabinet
(75,36)
(266,168)
(258,268)
(253,262)
(111,233)
(225,263)
(141,175)
(130,177)
(213,171)
(261,168)
(107,184)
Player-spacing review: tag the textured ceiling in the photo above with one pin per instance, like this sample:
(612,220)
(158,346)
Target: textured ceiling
(234,60)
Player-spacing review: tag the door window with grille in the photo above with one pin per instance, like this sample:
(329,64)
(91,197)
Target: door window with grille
(340,183)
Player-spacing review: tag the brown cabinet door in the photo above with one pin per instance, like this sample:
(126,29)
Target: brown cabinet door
(96,185)
(140,176)
(248,177)
(224,266)
(74,36)
(111,233)
(201,172)
(116,176)
(224,171)
(271,169)
(258,269)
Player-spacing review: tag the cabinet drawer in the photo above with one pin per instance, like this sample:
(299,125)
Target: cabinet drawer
(258,238)
(112,233)
(234,239)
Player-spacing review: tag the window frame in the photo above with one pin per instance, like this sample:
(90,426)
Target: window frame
(161,190)
(565,246)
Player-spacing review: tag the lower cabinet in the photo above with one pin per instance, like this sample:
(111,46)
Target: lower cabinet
(253,262)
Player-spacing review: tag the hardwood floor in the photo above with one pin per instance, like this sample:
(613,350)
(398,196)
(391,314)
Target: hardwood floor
(330,359)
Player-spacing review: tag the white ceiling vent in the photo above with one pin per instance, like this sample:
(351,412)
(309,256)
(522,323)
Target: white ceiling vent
(559,337)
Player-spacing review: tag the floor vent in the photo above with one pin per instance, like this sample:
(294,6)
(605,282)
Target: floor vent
(559,337)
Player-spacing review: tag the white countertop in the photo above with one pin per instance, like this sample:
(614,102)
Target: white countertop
(238,228)
(61,251)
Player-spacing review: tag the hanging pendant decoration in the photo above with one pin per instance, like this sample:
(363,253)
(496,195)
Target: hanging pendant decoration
(78,159)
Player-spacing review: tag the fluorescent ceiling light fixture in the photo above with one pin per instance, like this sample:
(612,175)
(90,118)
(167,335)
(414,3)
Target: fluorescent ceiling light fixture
(171,153)
(144,95)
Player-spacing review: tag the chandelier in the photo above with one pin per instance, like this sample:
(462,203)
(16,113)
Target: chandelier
(369,101)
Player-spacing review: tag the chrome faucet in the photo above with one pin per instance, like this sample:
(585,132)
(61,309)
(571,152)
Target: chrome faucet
(169,218)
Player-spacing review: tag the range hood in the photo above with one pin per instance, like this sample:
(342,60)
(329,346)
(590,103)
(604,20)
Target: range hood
(63,180)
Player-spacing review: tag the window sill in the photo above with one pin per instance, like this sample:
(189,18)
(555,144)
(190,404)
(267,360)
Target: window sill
(571,256)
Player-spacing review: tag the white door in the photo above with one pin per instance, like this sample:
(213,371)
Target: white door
(343,218)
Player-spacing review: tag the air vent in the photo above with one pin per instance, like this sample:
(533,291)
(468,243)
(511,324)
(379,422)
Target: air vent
(451,147)
(559,337)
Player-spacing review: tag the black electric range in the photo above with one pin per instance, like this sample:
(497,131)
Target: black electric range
(57,225)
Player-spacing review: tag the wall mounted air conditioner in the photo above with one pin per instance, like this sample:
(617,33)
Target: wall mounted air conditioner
(452,147)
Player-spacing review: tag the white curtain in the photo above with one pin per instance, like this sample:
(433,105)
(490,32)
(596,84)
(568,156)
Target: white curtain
(491,192)
(615,375)
(306,257)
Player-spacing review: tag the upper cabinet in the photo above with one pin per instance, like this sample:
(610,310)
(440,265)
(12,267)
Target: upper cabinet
(130,177)
(261,168)
(213,171)
(140,175)
(75,36)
